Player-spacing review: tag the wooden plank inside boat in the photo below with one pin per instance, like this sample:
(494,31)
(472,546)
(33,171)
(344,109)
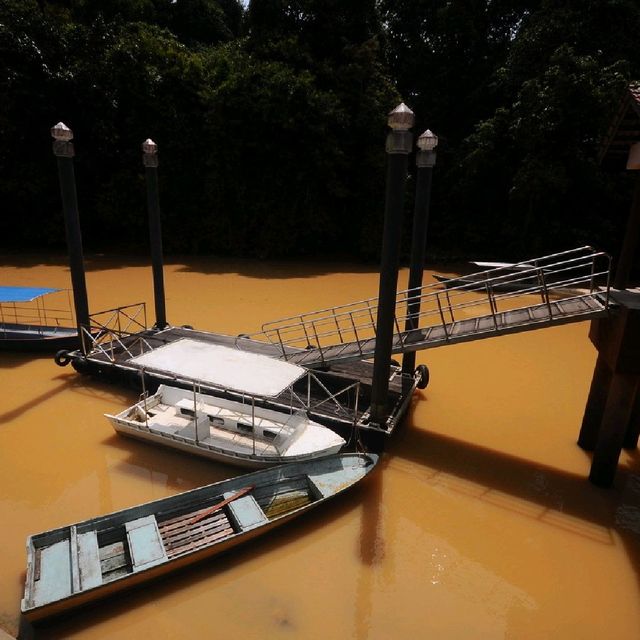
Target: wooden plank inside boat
(89,560)
(176,537)
(114,554)
(180,535)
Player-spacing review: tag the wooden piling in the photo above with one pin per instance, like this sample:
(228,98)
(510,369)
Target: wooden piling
(612,415)
(615,423)
(633,430)
(596,403)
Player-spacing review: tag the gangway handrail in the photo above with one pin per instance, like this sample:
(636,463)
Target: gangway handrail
(528,290)
(366,304)
(348,330)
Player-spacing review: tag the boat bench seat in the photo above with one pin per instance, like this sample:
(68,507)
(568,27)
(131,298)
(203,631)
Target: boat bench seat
(89,560)
(239,443)
(245,511)
(145,543)
(169,419)
(202,428)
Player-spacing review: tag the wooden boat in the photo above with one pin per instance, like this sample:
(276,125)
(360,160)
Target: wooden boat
(36,319)
(473,282)
(76,564)
(501,276)
(224,430)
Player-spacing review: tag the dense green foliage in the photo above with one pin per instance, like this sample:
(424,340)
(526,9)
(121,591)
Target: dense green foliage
(271,120)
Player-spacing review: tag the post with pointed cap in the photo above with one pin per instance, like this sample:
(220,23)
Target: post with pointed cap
(398,147)
(150,161)
(425,161)
(64,152)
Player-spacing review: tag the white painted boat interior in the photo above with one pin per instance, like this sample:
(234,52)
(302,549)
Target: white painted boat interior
(235,427)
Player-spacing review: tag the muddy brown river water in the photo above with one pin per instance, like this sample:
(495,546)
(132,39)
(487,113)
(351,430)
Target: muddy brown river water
(480,522)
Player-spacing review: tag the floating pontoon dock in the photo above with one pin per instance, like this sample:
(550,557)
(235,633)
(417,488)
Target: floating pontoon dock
(333,346)
(229,367)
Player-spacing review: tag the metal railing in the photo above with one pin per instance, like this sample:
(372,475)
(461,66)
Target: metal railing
(307,394)
(535,286)
(108,330)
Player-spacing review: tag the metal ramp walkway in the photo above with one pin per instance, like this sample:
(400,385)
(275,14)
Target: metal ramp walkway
(564,287)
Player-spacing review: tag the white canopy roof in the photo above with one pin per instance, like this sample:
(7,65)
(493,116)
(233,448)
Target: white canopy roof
(213,364)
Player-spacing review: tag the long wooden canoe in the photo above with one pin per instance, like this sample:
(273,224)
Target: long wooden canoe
(74,565)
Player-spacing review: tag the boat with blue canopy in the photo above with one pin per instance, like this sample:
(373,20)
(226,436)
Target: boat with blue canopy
(36,319)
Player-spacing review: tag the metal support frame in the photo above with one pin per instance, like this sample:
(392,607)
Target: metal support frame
(110,331)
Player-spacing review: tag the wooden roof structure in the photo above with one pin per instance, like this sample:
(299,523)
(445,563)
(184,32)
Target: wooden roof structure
(625,127)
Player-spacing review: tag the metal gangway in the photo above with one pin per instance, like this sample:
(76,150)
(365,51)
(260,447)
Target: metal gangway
(570,286)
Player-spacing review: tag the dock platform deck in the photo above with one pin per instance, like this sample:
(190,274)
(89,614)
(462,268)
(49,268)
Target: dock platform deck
(328,395)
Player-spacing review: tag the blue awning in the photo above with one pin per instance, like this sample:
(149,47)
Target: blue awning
(23,294)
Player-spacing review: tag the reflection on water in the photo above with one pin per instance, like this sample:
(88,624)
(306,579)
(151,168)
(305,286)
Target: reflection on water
(478,523)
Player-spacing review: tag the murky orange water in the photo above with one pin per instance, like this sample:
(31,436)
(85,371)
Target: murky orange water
(480,523)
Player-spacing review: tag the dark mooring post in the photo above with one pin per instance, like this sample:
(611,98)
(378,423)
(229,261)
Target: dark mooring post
(399,143)
(611,420)
(632,235)
(425,161)
(64,152)
(150,161)
(612,415)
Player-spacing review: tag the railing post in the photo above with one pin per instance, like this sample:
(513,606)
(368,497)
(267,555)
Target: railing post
(284,353)
(304,328)
(398,148)
(444,323)
(315,333)
(449,306)
(355,332)
(492,303)
(337,326)
(545,292)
